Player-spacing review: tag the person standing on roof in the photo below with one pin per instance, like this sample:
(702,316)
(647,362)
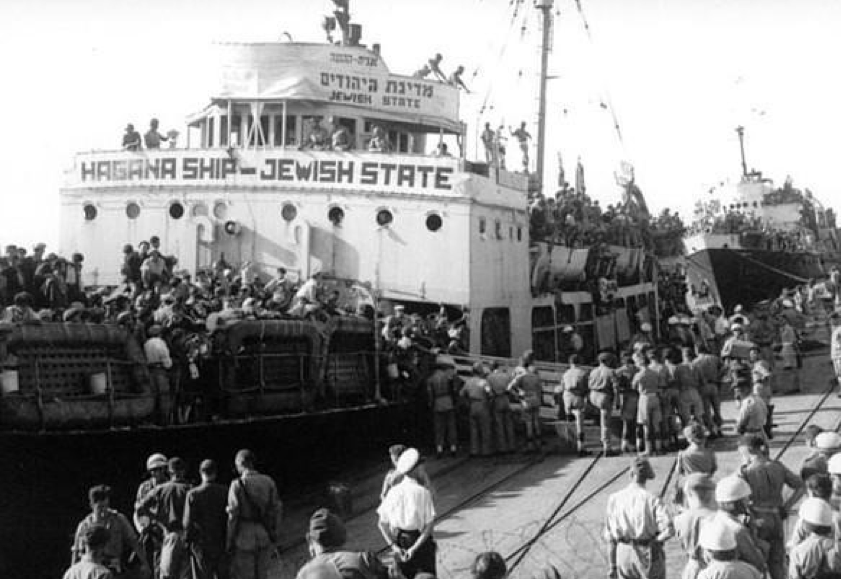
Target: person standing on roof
(153,138)
(523,137)
(456,81)
(488,138)
(478,394)
(407,519)
(767,478)
(434,65)
(131,139)
(638,524)
(253,507)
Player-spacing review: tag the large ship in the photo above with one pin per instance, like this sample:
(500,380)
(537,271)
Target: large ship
(751,240)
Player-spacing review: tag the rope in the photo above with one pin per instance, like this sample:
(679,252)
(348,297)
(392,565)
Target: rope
(771,268)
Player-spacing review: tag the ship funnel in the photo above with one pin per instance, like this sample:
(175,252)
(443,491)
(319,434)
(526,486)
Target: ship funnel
(233,228)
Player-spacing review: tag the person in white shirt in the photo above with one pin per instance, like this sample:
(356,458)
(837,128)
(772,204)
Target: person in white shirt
(157,359)
(407,517)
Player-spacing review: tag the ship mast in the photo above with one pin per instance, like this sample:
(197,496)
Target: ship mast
(741,132)
(545,7)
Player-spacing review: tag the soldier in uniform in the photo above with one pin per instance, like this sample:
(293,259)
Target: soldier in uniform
(720,546)
(441,390)
(602,386)
(528,387)
(647,383)
(766,478)
(478,393)
(698,490)
(760,372)
(574,384)
(502,421)
(689,397)
(753,413)
(669,397)
(826,445)
(151,533)
(834,468)
(818,555)
(709,371)
(733,497)
(628,401)
(637,523)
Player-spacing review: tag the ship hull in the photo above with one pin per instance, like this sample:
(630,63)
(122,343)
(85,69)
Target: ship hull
(47,475)
(739,276)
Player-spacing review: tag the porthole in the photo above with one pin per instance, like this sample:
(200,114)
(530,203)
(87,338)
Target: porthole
(384,217)
(176,210)
(199,210)
(336,215)
(90,212)
(288,212)
(132,210)
(220,210)
(434,222)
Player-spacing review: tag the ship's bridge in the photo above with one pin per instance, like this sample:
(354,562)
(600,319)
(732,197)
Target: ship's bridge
(274,94)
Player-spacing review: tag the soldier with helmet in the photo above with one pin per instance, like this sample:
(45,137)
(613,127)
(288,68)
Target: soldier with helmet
(733,497)
(637,524)
(151,534)
(720,547)
(818,555)
(478,394)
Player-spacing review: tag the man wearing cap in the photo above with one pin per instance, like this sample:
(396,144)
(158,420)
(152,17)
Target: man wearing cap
(253,508)
(708,367)
(602,386)
(733,497)
(637,523)
(739,317)
(642,338)
(721,549)
(698,490)
(151,533)
(478,394)
(325,539)
(502,420)
(767,478)
(165,504)
(737,345)
(121,542)
(406,520)
(441,395)
(205,523)
(817,555)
